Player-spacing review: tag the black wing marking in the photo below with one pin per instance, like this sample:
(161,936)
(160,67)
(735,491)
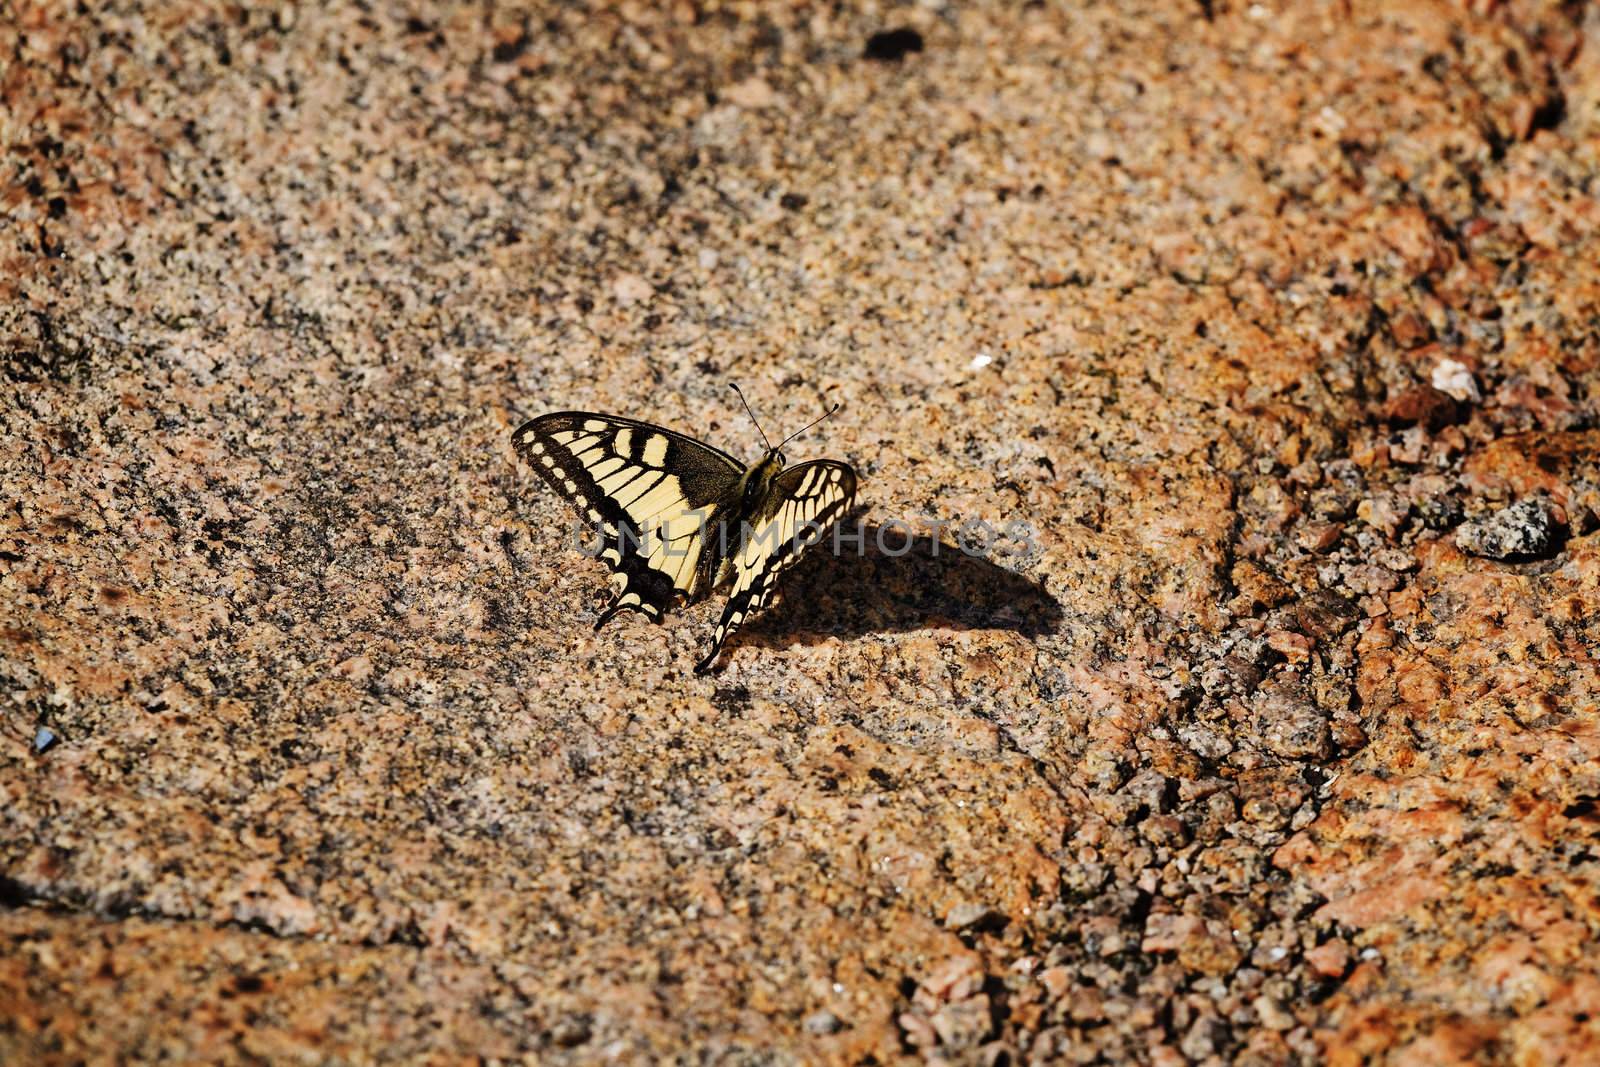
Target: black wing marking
(651,492)
(804,501)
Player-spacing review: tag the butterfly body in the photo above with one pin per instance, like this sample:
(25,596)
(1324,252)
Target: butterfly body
(679,518)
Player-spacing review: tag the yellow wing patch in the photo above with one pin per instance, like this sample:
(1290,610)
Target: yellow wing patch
(810,497)
(652,520)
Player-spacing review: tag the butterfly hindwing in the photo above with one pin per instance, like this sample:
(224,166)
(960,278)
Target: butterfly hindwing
(802,503)
(651,492)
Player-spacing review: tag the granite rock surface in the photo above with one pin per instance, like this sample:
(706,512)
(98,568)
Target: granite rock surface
(1266,336)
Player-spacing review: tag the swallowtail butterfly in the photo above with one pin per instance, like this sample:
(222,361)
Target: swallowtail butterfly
(679,518)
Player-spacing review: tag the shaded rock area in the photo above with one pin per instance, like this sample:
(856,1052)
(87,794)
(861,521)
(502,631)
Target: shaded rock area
(1270,736)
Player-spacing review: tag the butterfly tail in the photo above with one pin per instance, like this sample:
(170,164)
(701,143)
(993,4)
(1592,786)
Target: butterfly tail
(627,600)
(616,607)
(711,657)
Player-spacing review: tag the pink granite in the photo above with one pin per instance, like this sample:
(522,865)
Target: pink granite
(1273,743)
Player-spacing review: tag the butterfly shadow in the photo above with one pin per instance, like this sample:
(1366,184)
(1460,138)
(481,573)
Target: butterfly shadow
(894,582)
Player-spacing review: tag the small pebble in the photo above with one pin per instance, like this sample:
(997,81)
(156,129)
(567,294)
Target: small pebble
(964,915)
(1454,379)
(1525,530)
(1272,1014)
(44,740)
(1439,512)
(1329,959)
(570,1032)
(1422,405)
(823,1022)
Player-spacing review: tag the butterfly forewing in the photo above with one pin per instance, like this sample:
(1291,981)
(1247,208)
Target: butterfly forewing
(803,502)
(652,493)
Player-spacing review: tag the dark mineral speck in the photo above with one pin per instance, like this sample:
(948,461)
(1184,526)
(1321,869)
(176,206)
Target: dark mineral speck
(891,45)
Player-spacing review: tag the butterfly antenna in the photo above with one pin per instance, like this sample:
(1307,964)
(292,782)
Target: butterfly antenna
(752,415)
(808,425)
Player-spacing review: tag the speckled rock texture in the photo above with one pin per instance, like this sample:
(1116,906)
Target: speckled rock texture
(1277,741)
